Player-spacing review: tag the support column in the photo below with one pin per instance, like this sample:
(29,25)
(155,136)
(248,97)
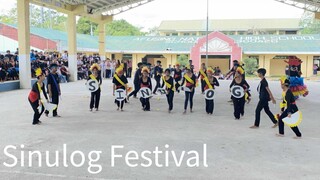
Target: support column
(24,43)
(72,47)
(102,43)
(317,15)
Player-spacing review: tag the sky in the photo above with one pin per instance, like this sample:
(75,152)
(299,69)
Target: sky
(151,14)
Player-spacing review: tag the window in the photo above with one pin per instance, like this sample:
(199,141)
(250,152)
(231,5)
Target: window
(167,34)
(127,56)
(316,61)
(194,34)
(290,32)
(174,34)
(186,34)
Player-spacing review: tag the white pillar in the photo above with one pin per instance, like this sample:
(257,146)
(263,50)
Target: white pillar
(72,47)
(24,43)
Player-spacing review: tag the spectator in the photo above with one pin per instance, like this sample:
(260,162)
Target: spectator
(315,69)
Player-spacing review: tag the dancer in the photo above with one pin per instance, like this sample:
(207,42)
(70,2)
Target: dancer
(239,102)
(35,96)
(289,107)
(190,79)
(177,76)
(157,75)
(137,76)
(297,86)
(211,82)
(145,81)
(202,74)
(168,81)
(120,82)
(95,96)
(265,96)
(53,88)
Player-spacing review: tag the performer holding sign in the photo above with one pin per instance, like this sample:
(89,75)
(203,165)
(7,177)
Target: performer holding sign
(238,88)
(168,82)
(145,82)
(288,110)
(95,76)
(202,74)
(209,87)
(190,79)
(120,87)
(35,96)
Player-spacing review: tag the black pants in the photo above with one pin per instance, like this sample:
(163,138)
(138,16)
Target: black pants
(108,73)
(209,106)
(203,84)
(54,100)
(157,85)
(129,72)
(188,96)
(95,99)
(145,103)
(136,89)
(238,105)
(170,96)
(281,125)
(264,104)
(177,85)
(120,104)
(36,115)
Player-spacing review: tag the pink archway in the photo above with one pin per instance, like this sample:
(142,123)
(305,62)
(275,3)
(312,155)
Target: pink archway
(219,44)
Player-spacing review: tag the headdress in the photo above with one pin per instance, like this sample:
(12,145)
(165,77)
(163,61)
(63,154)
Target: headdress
(38,72)
(145,69)
(95,66)
(209,70)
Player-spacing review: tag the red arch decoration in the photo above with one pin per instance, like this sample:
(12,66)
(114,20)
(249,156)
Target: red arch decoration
(219,44)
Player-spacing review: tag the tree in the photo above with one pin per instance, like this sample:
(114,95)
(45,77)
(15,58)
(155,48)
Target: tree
(251,65)
(153,31)
(122,28)
(85,26)
(309,24)
(39,17)
(183,59)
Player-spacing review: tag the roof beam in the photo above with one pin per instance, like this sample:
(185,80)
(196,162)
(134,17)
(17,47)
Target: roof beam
(309,5)
(120,7)
(61,7)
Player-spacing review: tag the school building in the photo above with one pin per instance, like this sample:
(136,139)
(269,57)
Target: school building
(269,49)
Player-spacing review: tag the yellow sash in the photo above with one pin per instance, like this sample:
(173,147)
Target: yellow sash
(167,84)
(119,80)
(206,79)
(202,73)
(188,79)
(283,104)
(94,78)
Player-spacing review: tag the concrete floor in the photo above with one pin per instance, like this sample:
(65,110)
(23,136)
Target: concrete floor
(234,151)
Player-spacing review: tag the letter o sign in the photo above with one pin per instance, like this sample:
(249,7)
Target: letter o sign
(209,94)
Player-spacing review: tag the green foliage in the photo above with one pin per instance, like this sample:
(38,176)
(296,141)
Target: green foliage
(122,28)
(183,60)
(251,65)
(39,17)
(310,24)
(84,26)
